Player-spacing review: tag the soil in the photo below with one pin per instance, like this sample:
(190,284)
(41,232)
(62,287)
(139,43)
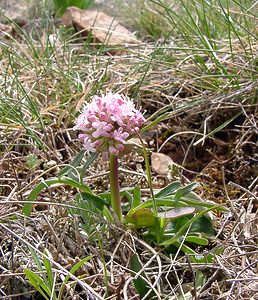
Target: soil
(14,8)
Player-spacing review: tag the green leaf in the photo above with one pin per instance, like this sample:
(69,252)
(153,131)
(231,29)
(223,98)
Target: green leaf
(160,203)
(202,259)
(197,240)
(156,231)
(156,121)
(203,225)
(89,161)
(36,259)
(194,200)
(199,278)
(176,212)
(106,196)
(77,160)
(186,249)
(38,283)
(168,190)
(27,208)
(136,196)
(98,202)
(201,204)
(106,213)
(218,251)
(48,268)
(194,256)
(32,161)
(141,218)
(223,125)
(72,271)
(171,202)
(184,227)
(61,5)
(182,223)
(140,284)
(181,192)
(127,199)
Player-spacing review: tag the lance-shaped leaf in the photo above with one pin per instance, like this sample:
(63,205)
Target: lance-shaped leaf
(176,212)
(141,218)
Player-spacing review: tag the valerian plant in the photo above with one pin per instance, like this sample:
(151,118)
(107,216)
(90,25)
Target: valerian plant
(107,122)
(173,217)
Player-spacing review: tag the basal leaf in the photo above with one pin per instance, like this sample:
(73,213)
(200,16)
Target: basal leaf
(184,226)
(203,225)
(106,213)
(168,190)
(181,192)
(176,212)
(89,161)
(36,259)
(38,283)
(140,284)
(141,218)
(48,268)
(197,240)
(136,196)
(97,201)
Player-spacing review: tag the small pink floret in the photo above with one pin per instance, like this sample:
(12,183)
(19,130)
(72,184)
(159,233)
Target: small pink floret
(113,150)
(107,122)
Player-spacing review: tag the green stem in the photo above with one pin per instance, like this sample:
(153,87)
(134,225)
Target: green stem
(114,186)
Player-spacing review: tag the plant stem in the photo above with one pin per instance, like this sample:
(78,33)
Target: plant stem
(114,186)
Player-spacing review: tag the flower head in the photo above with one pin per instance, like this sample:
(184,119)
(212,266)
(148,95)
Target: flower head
(107,122)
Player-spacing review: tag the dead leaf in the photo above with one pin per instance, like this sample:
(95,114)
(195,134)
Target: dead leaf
(103,28)
(160,163)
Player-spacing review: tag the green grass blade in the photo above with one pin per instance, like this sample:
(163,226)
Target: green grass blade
(36,259)
(223,125)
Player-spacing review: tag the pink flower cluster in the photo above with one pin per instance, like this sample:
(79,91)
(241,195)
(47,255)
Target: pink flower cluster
(107,122)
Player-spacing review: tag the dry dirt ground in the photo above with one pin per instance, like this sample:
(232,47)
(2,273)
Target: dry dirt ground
(13,8)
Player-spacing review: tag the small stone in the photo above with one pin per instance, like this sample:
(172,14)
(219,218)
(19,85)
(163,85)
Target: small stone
(49,164)
(160,163)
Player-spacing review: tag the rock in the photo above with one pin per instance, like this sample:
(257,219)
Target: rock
(49,164)
(103,28)
(160,163)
